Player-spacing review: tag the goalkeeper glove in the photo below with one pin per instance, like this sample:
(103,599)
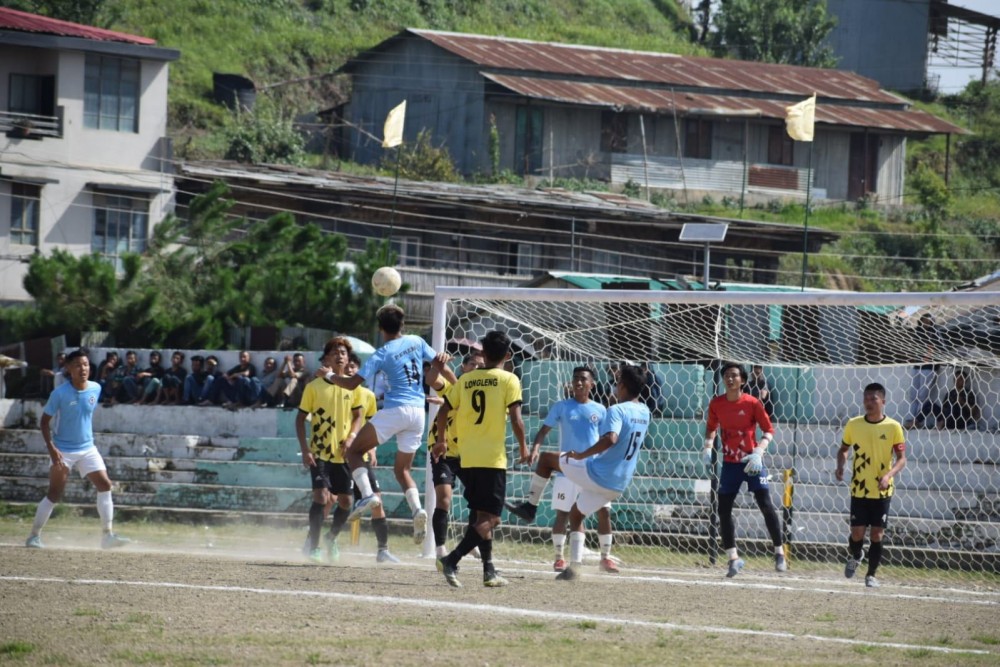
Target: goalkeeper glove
(755,462)
(706,456)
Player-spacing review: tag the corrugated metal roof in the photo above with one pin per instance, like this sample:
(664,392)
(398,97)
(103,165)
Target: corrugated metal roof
(520,55)
(664,100)
(11,19)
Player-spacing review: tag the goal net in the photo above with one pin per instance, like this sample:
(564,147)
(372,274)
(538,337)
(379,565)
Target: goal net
(938,355)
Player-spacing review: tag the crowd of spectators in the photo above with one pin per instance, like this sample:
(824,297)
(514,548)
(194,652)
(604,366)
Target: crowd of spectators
(202,383)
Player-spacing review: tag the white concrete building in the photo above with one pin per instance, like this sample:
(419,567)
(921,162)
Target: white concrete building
(85,163)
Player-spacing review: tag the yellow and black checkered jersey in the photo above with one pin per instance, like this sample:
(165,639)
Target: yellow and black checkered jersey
(450,437)
(331,410)
(480,400)
(872,446)
(368,403)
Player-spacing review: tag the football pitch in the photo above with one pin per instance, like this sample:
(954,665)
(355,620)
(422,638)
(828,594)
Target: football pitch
(243,595)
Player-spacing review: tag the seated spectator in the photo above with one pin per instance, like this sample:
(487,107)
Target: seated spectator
(959,410)
(149,380)
(56,375)
(195,381)
(105,371)
(296,377)
(757,387)
(236,387)
(172,381)
(211,392)
(652,393)
(124,375)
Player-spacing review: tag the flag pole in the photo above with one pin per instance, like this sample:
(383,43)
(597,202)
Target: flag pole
(393,138)
(805,231)
(392,214)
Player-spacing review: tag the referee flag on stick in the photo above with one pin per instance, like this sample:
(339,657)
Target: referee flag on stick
(800,119)
(393,130)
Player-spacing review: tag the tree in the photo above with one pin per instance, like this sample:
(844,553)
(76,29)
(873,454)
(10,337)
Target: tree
(202,275)
(791,32)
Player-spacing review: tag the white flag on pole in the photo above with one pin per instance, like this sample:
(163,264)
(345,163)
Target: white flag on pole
(393,130)
(800,119)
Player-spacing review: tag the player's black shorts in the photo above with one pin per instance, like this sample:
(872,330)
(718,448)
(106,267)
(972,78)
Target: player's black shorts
(334,477)
(446,470)
(485,489)
(372,479)
(870,512)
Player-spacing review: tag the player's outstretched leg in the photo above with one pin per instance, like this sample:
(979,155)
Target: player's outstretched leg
(548,463)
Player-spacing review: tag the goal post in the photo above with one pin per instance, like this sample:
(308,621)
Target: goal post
(937,354)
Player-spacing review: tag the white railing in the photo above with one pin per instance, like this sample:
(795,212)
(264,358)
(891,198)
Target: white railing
(30,126)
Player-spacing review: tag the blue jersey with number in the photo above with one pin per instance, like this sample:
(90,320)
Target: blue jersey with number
(72,411)
(402,360)
(613,468)
(578,423)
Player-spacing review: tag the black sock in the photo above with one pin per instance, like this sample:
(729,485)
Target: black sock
(381,528)
(854,548)
(439,522)
(486,551)
(338,520)
(874,557)
(470,541)
(315,524)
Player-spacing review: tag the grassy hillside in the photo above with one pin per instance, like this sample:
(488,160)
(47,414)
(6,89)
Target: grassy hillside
(277,41)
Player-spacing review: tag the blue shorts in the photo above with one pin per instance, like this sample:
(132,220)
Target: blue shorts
(732,479)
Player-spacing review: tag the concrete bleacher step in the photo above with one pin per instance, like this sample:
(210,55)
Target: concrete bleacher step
(131,444)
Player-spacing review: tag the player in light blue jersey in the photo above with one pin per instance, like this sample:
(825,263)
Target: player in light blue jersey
(68,432)
(401,359)
(579,420)
(602,471)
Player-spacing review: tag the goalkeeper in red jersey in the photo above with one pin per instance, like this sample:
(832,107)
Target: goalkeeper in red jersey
(739,414)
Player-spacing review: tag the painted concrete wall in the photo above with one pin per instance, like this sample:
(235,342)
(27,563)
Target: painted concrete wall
(79,157)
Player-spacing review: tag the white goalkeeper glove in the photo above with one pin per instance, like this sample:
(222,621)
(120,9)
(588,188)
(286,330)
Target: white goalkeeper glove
(755,462)
(706,456)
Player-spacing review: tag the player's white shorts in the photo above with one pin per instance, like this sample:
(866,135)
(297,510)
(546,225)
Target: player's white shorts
(564,493)
(406,422)
(85,461)
(592,496)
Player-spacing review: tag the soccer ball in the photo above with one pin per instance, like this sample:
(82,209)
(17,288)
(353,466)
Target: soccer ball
(386,281)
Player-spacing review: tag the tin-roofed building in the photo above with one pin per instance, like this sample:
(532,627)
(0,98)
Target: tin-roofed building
(675,122)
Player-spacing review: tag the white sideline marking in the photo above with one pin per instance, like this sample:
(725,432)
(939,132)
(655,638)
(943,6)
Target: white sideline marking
(506,611)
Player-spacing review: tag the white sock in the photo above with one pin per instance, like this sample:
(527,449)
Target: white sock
(576,547)
(106,510)
(360,477)
(42,515)
(440,551)
(559,542)
(779,551)
(413,499)
(733,555)
(605,541)
(537,487)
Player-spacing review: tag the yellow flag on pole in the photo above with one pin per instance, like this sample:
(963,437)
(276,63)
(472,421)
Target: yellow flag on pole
(800,119)
(393,130)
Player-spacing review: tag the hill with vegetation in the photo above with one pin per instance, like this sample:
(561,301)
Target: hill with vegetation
(947,233)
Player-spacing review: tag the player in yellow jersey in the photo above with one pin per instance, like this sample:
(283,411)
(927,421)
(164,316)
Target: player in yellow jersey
(874,439)
(335,418)
(482,400)
(379,523)
(446,469)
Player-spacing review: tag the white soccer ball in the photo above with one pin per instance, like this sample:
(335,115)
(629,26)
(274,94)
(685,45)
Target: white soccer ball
(386,281)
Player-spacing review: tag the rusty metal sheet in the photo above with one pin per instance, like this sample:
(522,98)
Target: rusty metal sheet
(11,19)
(606,65)
(666,100)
